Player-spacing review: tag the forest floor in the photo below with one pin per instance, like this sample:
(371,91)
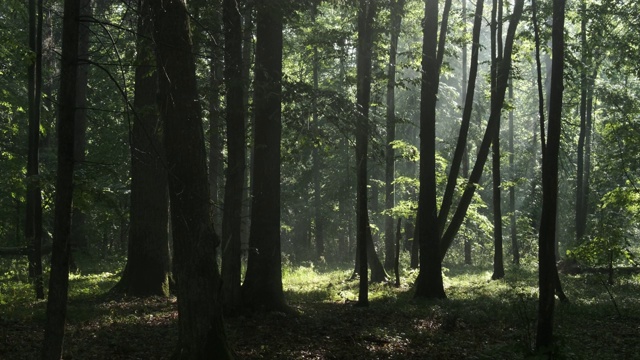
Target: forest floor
(481,319)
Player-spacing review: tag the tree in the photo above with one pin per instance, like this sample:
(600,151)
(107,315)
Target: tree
(200,325)
(496,57)
(366,14)
(429,283)
(59,276)
(147,271)
(317,160)
(33,217)
(547,237)
(397,9)
(236,145)
(262,287)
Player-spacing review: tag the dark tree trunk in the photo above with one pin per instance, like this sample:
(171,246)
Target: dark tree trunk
(79,240)
(236,156)
(581,210)
(512,189)
(548,275)
(59,276)
(366,15)
(461,145)
(396,261)
(200,325)
(317,159)
(33,218)
(429,283)
(463,97)
(262,288)
(504,68)
(496,55)
(148,264)
(247,53)
(216,142)
(397,9)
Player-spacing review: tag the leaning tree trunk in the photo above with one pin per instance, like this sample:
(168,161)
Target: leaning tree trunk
(147,271)
(546,254)
(59,276)
(200,326)
(262,288)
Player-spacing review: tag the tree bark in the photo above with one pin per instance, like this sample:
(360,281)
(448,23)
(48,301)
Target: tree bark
(200,325)
(547,237)
(512,189)
(59,275)
(236,156)
(148,267)
(262,288)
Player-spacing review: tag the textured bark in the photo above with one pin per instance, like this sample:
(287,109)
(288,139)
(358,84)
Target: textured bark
(200,325)
(429,283)
(262,288)
(548,274)
(236,156)
(59,275)
(147,271)
(397,9)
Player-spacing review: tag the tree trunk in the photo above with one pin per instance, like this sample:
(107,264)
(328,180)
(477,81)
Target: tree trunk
(317,159)
(547,238)
(429,283)
(200,324)
(504,69)
(463,97)
(148,263)
(262,288)
(79,240)
(59,276)
(33,217)
(496,55)
(512,189)
(581,211)
(216,141)
(236,156)
(366,15)
(397,9)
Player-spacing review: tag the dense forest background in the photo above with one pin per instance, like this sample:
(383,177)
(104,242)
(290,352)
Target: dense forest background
(270,137)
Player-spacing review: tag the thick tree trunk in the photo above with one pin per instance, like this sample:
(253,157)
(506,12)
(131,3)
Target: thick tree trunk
(200,324)
(59,276)
(397,9)
(429,283)
(148,264)
(262,288)
(236,156)
(548,274)
(366,15)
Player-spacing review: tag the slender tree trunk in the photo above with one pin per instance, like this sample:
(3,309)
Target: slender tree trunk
(33,217)
(397,9)
(581,211)
(216,159)
(262,288)
(148,263)
(496,56)
(236,156)
(247,60)
(200,325)
(504,69)
(317,159)
(59,276)
(463,96)
(546,256)
(79,240)
(512,189)
(366,15)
